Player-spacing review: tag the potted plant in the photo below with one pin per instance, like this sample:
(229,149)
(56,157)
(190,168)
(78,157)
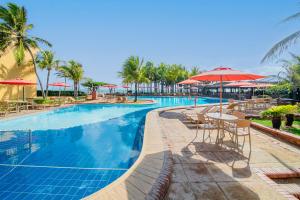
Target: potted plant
(275,113)
(290,110)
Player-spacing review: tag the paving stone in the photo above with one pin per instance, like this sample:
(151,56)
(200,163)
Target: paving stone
(197,173)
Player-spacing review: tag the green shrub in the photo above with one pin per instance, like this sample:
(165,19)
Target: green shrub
(43,101)
(278,111)
(68,93)
(280,90)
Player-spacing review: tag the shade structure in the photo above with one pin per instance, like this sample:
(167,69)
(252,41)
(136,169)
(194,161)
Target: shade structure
(111,86)
(258,85)
(125,86)
(18,82)
(221,74)
(239,84)
(188,82)
(59,84)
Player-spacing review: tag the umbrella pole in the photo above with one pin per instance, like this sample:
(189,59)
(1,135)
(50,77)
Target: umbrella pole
(23,94)
(221,93)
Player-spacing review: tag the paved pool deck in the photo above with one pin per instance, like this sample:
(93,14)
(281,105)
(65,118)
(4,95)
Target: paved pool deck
(172,167)
(203,170)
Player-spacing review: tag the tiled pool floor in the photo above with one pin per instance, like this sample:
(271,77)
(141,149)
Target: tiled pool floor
(21,182)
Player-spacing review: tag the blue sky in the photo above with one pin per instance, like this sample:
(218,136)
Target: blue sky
(101,34)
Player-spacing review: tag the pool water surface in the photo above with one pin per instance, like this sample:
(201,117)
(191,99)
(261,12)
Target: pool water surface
(72,152)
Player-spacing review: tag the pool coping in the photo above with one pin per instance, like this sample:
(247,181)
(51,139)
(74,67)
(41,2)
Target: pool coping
(150,176)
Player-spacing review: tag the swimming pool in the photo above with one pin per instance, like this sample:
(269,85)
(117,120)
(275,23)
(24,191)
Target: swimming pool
(75,151)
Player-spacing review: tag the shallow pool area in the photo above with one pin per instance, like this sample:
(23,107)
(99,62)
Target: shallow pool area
(72,152)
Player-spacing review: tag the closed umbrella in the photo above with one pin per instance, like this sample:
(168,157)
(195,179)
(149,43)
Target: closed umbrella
(221,74)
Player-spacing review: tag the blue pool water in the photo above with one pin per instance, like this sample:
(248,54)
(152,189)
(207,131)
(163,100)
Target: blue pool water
(73,152)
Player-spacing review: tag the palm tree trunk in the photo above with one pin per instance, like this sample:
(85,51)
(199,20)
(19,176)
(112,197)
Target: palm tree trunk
(75,89)
(135,92)
(35,70)
(47,84)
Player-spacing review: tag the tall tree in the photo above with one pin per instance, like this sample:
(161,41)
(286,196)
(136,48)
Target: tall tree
(46,61)
(291,71)
(162,72)
(286,42)
(132,72)
(194,71)
(73,71)
(14,33)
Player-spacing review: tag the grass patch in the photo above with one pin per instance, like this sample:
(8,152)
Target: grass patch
(295,129)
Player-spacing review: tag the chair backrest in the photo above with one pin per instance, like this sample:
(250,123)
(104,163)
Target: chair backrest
(231,100)
(201,118)
(243,123)
(260,100)
(239,115)
(231,106)
(206,109)
(213,109)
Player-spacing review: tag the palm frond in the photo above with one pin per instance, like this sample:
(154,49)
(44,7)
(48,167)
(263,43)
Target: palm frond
(40,40)
(278,48)
(292,17)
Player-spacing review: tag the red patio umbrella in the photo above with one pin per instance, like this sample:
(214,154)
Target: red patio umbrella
(239,84)
(110,87)
(221,74)
(188,82)
(59,84)
(18,82)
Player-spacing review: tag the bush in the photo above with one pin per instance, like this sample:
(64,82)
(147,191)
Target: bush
(278,111)
(43,101)
(66,93)
(280,90)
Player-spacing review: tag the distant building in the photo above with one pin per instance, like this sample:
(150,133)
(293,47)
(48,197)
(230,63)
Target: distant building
(10,70)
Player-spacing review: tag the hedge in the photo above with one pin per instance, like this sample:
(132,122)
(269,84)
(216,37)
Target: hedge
(62,93)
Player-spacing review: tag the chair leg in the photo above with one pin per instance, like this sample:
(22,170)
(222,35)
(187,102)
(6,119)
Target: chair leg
(250,148)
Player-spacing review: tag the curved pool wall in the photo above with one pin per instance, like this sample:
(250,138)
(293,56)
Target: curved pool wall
(75,151)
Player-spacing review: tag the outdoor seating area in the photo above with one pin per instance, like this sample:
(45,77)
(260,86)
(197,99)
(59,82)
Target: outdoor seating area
(220,157)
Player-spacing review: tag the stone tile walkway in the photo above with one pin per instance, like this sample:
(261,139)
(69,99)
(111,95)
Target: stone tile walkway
(203,170)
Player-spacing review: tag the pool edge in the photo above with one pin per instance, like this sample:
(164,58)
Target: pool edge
(150,176)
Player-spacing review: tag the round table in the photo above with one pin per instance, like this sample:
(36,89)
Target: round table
(221,117)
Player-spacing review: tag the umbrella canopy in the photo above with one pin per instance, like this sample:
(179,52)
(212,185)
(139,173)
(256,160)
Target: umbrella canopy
(110,86)
(225,74)
(17,81)
(59,84)
(188,82)
(259,85)
(125,86)
(239,84)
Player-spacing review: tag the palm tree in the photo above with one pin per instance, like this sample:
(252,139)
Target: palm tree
(73,71)
(133,72)
(150,73)
(14,33)
(162,71)
(285,43)
(92,85)
(194,71)
(45,60)
(291,71)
